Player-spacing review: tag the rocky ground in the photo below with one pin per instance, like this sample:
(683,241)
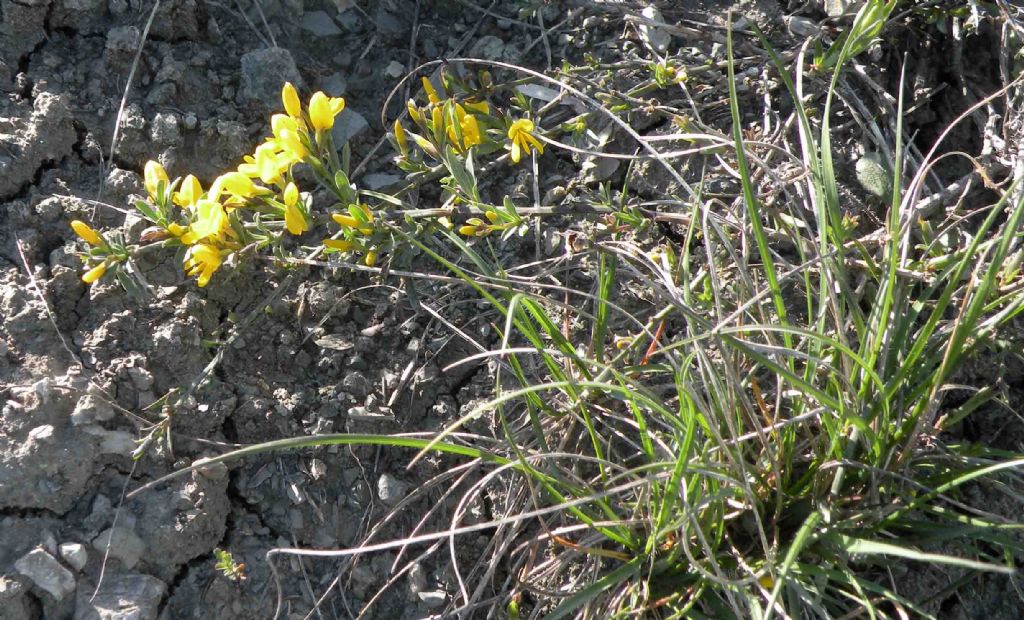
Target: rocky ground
(79,366)
(83,369)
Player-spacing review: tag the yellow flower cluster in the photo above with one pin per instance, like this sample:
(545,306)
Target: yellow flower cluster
(262,181)
(460,124)
(443,121)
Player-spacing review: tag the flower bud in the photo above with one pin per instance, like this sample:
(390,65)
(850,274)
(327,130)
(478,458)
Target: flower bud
(87,234)
(95,273)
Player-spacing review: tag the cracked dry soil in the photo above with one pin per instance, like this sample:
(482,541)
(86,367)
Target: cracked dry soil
(79,366)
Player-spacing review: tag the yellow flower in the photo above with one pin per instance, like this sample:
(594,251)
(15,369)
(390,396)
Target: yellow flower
(521,135)
(429,89)
(95,273)
(288,134)
(236,185)
(342,245)
(87,234)
(470,130)
(370,259)
(290,98)
(400,138)
(414,112)
(351,221)
(323,109)
(436,119)
(294,220)
(154,174)
(475,227)
(176,229)
(468,127)
(268,163)
(189,193)
(201,261)
(480,107)
(211,220)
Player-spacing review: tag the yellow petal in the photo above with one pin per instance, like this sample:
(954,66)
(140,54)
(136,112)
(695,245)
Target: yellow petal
(370,259)
(342,245)
(535,143)
(365,209)
(320,114)
(294,221)
(237,184)
(429,89)
(345,220)
(414,112)
(291,195)
(95,273)
(436,120)
(87,234)
(154,173)
(202,260)
(480,107)
(400,138)
(470,131)
(189,192)
(290,98)
(467,230)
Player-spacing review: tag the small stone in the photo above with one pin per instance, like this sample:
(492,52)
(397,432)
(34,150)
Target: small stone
(75,554)
(42,434)
(112,442)
(417,578)
(394,69)
(504,24)
(391,490)
(123,39)
(124,545)
(123,597)
(46,573)
(213,471)
(265,71)
(141,378)
(347,125)
(190,121)
(387,22)
(48,542)
(801,26)
(838,8)
(433,599)
(164,129)
(488,47)
(10,587)
(91,409)
(873,175)
(320,24)
(335,85)
(656,38)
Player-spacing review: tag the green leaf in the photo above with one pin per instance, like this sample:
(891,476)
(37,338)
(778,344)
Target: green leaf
(463,178)
(871,547)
